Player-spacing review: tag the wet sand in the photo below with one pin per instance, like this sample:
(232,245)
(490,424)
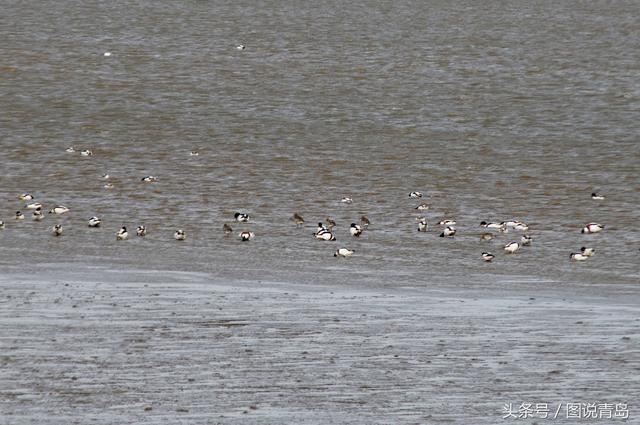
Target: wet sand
(90,346)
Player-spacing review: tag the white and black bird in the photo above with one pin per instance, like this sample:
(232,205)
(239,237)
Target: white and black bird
(33,206)
(422,207)
(108,186)
(321,228)
(526,240)
(597,197)
(511,247)
(70,149)
(1,224)
(19,215)
(588,252)
(141,230)
(57,230)
(577,256)
(149,179)
(241,47)
(86,152)
(343,252)
(94,222)
(179,235)
(592,228)
(325,235)
(490,225)
(355,230)
(415,195)
(122,234)
(60,209)
(516,225)
(37,215)
(448,231)
(246,236)
(194,153)
(241,217)
(487,256)
(25,197)
(346,200)
(423,226)
(447,222)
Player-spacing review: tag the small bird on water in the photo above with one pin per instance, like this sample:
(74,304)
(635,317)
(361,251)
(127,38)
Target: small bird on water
(246,236)
(597,197)
(57,230)
(576,256)
(141,230)
(180,235)
(592,228)
(422,224)
(94,222)
(511,247)
(298,219)
(241,217)
(19,215)
(343,252)
(448,231)
(364,221)
(227,229)
(355,230)
(122,234)
(330,222)
(487,256)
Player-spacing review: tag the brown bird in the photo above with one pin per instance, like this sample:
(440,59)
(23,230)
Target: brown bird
(298,219)
(227,229)
(330,222)
(364,220)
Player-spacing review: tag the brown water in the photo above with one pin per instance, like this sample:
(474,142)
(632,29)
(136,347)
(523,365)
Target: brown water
(494,112)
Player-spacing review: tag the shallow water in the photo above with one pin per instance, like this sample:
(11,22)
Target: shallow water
(493,112)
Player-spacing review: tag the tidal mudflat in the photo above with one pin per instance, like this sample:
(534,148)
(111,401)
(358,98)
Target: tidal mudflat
(95,346)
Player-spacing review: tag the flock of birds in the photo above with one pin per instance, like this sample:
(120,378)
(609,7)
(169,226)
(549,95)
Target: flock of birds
(324,231)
